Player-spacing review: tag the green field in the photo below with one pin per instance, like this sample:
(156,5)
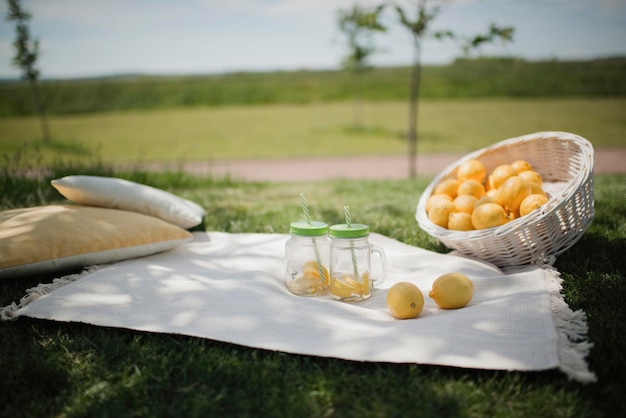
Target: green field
(322,129)
(463,106)
(480,78)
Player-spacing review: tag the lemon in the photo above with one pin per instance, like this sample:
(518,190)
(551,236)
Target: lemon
(537,189)
(349,286)
(499,175)
(488,215)
(492,193)
(312,270)
(439,212)
(521,165)
(512,192)
(465,203)
(452,290)
(405,300)
(460,221)
(313,281)
(512,215)
(471,187)
(471,169)
(531,203)
(531,176)
(447,186)
(488,198)
(432,198)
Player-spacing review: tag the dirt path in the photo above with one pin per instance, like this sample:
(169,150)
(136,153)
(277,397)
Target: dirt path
(607,161)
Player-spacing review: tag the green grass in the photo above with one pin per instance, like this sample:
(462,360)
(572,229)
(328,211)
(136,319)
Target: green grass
(480,78)
(74,370)
(323,129)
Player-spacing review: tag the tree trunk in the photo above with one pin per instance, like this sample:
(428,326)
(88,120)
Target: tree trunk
(357,99)
(41,111)
(413,98)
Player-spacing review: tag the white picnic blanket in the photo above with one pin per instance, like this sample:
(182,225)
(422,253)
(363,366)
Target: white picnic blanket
(229,287)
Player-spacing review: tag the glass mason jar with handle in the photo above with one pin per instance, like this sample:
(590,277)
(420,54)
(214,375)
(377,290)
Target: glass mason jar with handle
(351,252)
(307,254)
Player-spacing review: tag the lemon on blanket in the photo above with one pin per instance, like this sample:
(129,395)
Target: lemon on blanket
(452,290)
(405,300)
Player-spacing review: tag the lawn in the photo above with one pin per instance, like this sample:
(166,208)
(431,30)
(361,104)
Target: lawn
(319,129)
(74,370)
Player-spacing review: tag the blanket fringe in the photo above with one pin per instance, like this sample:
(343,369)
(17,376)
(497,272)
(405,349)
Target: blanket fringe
(571,326)
(9,312)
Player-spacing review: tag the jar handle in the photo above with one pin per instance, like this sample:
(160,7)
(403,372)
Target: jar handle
(383,261)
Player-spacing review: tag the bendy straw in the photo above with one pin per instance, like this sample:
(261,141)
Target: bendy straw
(346,214)
(307,218)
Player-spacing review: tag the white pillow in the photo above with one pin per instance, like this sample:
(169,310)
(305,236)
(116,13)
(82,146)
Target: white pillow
(116,193)
(47,239)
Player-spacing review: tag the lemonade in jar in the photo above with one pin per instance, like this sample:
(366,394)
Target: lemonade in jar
(307,259)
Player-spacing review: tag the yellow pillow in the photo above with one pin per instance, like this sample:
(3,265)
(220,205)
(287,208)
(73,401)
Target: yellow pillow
(48,239)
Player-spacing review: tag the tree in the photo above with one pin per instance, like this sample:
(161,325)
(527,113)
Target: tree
(426,12)
(359,24)
(26,54)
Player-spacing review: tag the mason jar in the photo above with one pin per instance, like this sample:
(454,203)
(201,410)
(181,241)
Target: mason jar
(307,253)
(351,262)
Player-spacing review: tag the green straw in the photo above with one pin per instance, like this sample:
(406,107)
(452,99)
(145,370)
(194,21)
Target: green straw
(346,214)
(305,209)
(307,218)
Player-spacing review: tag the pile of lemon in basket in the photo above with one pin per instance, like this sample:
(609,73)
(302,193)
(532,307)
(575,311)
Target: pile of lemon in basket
(475,199)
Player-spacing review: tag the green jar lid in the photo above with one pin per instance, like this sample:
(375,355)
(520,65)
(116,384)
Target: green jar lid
(313,229)
(352,231)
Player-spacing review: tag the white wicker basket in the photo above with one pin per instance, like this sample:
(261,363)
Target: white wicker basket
(565,161)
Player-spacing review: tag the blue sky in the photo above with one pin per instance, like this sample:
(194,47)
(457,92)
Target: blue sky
(102,37)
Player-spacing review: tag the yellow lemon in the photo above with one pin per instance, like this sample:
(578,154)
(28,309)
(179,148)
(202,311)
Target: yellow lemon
(488,215)
(531,203)
(511,216)
(471,169)
(312,282)
(439,212)
(348,286)
(521,165)
(465,203)
(452,290)
(434,197)
(488,198)
(537,189)
(471,187)
(405,300)
(512,192)
(460,221)
(499,175)
(531,177)
(447,186)
(314,270)
(491,193)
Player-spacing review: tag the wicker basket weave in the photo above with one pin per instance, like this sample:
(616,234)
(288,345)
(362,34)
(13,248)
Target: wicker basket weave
(565,161)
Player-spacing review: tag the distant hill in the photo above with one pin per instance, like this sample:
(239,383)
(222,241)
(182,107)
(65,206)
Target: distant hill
(465,78)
